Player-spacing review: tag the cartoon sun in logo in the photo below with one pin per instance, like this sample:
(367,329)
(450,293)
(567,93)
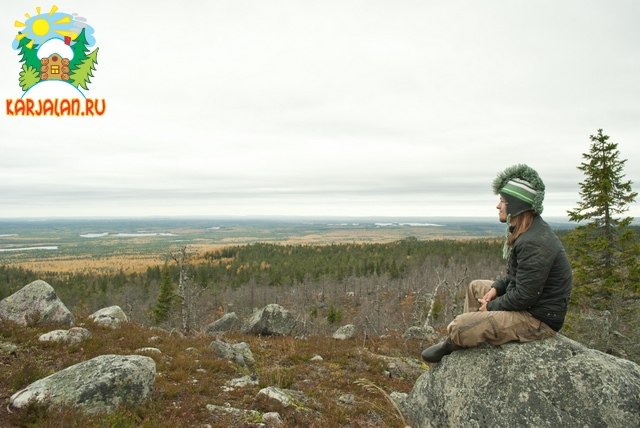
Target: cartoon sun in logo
(45,26)
(55,46)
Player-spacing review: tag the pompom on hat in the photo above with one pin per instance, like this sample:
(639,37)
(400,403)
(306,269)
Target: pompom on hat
(522,188)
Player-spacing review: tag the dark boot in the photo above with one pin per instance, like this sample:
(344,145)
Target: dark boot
(434,353)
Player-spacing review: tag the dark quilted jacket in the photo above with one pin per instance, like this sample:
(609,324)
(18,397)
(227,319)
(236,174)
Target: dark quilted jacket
(538,277)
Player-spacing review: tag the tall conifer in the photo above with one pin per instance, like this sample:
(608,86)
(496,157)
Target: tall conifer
(605,250)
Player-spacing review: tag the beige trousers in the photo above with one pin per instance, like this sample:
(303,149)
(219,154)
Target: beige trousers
(494,327)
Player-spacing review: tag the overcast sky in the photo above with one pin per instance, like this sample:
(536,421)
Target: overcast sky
(325,108)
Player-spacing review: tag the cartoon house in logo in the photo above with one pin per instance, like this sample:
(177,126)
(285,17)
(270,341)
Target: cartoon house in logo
(54,46)
(55,56)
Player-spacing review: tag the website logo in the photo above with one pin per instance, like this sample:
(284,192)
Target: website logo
(58,58)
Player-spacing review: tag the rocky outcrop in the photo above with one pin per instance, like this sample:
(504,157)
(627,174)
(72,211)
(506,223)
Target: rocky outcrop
(238,352)
(228,322)
(72,336)
(111,317)
(35,304)
(554,382)
(345,332)
(97,385)
(271,320)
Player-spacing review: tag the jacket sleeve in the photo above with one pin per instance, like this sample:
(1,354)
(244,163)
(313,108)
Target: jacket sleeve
(534,263)
(500,285)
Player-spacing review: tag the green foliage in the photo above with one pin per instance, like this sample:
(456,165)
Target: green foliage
(438,308)
(162,309)
(29,55)
(81,76)
(279,265)
(334,315)
(603,248)
(80,50)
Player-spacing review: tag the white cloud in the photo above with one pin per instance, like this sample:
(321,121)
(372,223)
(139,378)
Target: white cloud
(336,107)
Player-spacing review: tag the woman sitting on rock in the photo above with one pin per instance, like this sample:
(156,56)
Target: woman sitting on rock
(531,301)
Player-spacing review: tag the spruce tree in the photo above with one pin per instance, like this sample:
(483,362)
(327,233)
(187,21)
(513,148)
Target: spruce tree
(162,309)
(604,249)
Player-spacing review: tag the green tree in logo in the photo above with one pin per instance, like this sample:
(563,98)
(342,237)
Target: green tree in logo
(82,75)
(29,76)
(80,50)
(29,55)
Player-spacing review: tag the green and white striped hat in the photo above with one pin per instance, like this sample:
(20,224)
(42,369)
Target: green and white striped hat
(522,183)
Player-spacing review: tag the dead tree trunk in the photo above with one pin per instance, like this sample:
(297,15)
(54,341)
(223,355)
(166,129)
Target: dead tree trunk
(182,260)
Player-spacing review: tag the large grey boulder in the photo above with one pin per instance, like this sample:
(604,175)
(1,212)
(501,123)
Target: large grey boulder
(97,385)
(227,322)
(35,304)
(273,319)
(111,317)
(554,382)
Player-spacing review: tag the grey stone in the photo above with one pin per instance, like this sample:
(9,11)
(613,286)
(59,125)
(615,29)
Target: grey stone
(245,414)
(420,333)
(242,382)
(97,385)
(347,399)
(271,320)
(228,322)
(554,382)
(111,317)
(35,304)
(238,352)
(7,348)
(345,332)
(285,397)
(272,419)
(148,350)
(72,336)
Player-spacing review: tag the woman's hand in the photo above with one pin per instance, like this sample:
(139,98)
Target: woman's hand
(491,294)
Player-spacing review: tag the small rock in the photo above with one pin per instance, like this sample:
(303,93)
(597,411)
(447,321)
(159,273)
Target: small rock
(111,317)
(271,320)
(239,352)
(272,419)
(345,332)
(7,348)
(72,336)
(148,350)
(243,382)
(347,399)
(228,322)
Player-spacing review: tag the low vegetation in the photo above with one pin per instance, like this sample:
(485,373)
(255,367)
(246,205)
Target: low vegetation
(190,377)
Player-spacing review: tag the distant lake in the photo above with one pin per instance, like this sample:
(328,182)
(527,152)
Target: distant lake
(6,250)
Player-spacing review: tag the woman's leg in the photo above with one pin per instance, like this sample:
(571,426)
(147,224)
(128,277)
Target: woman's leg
(475,291)
(496,327)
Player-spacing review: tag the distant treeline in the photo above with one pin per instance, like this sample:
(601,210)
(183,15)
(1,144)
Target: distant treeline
(268,265)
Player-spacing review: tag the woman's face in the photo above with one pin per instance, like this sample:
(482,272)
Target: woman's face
(502,210)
